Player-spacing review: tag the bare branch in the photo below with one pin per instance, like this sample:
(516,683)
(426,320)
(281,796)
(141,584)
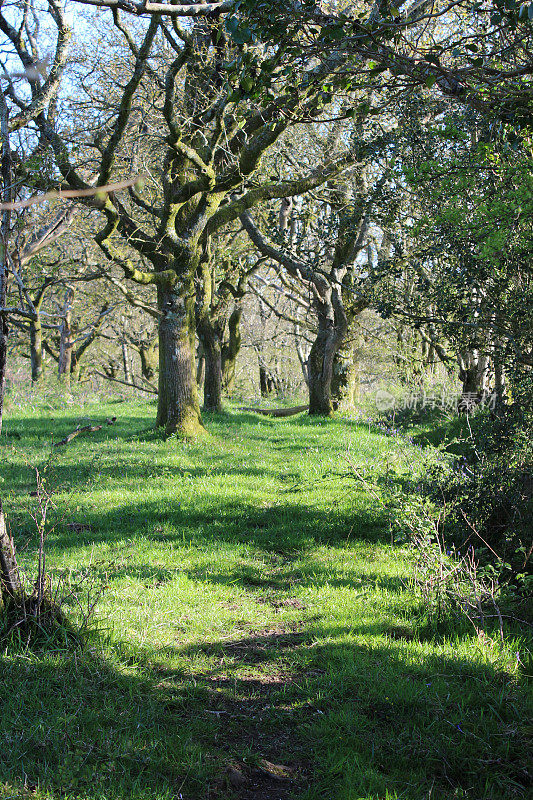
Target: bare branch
(165,9)
(70,194)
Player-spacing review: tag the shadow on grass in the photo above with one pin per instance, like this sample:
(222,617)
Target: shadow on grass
(300,711)
(287,528)
(286,578)
(55,428)
(295,710)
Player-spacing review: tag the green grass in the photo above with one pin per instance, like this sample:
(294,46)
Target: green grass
(255,614)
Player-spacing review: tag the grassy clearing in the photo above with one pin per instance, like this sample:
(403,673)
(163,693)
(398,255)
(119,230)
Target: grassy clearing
(257,638)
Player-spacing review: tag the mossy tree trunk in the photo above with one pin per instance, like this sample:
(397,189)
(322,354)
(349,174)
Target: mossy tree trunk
(268,383)
(148,353)
(332,328)
(327,288)
(219,336)
(36,349)
(178,409)
(345,384)
(231,350)
(200,365)
(210,325)
(213,373)
(66,342)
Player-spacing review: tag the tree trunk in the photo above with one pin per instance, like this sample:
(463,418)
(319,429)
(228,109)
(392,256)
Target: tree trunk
(474,374)
(231,350)
(200,365)
(126,362)
(213,374)
(178,410)
(210,332)
(330,335)
(75,367)
(5,222)
(320,375)
(4,332)
(346,381)
(10,584)
(66,343)
(148,355)
(265,384)
(345,378)
(36,349)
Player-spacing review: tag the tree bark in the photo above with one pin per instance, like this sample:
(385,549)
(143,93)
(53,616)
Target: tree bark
(5,222)
(36,349)
(126,364)
(231,350)
(320,374)
(10,583)
(200,365)
(178,409)
(210,331)
(332,328)
(148,356)
(66,342)
(213,374)
(346,381)
(474,373)
(343,382)
(265,384)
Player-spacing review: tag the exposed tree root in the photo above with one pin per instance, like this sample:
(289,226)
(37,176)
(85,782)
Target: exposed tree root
(276,412)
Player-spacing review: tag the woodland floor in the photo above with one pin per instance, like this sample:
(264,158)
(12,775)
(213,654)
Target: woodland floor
(257,636)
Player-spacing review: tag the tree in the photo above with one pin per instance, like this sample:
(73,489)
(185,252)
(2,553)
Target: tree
(39,100)
(470,247)
(331,247)
(43,90)
(222,283)
(216,130)
(477,54)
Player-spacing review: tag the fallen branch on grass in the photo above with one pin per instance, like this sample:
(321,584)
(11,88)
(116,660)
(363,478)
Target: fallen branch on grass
(275,412)
(85,429)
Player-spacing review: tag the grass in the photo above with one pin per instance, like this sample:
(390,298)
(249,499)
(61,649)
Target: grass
(257,637)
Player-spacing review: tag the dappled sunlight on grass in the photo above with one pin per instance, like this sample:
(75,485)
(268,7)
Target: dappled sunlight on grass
(257,636)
